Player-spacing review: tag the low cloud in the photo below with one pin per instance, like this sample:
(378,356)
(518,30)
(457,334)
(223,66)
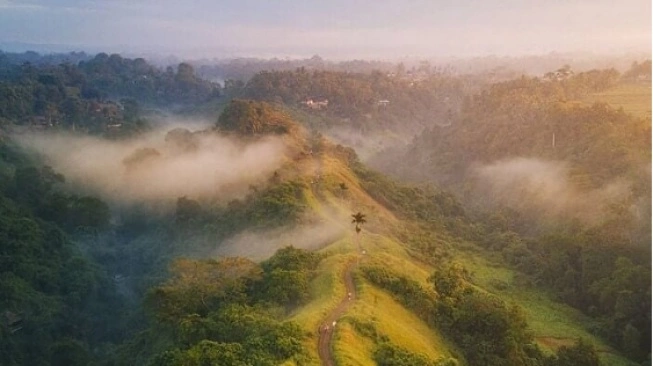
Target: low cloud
(367,144)
(159,166)
(261,245)
(545,188)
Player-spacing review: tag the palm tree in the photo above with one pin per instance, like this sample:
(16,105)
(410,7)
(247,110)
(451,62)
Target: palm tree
(358,219)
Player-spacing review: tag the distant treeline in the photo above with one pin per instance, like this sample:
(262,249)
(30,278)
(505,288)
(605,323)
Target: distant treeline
(35,58)
(100,94)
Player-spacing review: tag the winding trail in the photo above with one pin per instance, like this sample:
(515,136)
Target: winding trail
(326,329)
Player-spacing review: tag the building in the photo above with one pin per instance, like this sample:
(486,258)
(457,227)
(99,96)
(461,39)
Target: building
(320,103)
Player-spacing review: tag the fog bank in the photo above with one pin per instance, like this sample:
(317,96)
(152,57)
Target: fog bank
(263,244)
(546,188)
(162,165)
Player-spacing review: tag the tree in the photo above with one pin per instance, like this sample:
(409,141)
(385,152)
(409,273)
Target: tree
(581,354)
(187,210)
(185,73)
(72,107)
(88,212)
(248,117)
(69,353)
(358,219)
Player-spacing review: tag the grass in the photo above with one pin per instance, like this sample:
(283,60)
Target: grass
(358,200)
(634,98)
(401,326)
(552,324)
(353,348)
(327,290)
(385,252)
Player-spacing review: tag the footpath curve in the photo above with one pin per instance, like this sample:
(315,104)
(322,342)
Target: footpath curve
(326,328)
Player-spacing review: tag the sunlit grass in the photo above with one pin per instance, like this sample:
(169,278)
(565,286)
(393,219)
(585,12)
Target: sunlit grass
(552,323)
(352,348)
(634,98)
(327,289)
(400,325)
(374,305)
(385,252)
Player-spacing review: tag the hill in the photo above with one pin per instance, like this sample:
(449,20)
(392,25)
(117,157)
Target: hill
(405,306)
(217,267)
(526,156)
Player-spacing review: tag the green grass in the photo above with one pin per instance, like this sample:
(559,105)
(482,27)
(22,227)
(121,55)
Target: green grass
(401,326)
(634,98)
(553,324)
(373,305)
(353,348)
(385,252)
(327,290)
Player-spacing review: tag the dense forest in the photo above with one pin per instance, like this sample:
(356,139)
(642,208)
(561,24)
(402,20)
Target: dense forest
(536,128)
(101,95)
(157,253)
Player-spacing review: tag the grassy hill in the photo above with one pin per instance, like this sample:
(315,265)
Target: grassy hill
(552,323)
(429,289)
(410,235)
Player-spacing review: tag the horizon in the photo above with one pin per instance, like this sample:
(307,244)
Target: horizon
(224,56)
(389,30)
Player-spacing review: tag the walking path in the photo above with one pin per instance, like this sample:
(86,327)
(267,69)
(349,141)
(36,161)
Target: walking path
(327,328)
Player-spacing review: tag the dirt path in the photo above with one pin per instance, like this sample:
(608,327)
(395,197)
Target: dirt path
(326,328)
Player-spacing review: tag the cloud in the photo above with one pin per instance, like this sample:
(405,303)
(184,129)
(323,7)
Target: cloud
(263,244)
(159,166)
(546,189)
(12,5)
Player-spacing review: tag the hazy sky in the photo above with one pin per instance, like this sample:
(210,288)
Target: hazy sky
(333,28)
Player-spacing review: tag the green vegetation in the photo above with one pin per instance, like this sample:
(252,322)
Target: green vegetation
(82,97)
(599,142)
(389,355)
(355,100)
(54,298)
(443,281)
(248,117)
(486,329)
(634,98)
(226,312)
(531,122)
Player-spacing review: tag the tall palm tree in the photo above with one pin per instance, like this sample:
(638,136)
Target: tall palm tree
(358,219)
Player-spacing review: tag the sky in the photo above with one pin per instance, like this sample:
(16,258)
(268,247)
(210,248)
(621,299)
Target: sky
(335,28)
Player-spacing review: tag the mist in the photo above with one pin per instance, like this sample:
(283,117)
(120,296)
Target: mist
(547,189)
(159,166)
(261,245)
(367,144)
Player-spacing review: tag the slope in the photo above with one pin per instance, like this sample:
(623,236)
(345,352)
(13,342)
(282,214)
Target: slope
(407,302)
(374,308)
(337,185)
